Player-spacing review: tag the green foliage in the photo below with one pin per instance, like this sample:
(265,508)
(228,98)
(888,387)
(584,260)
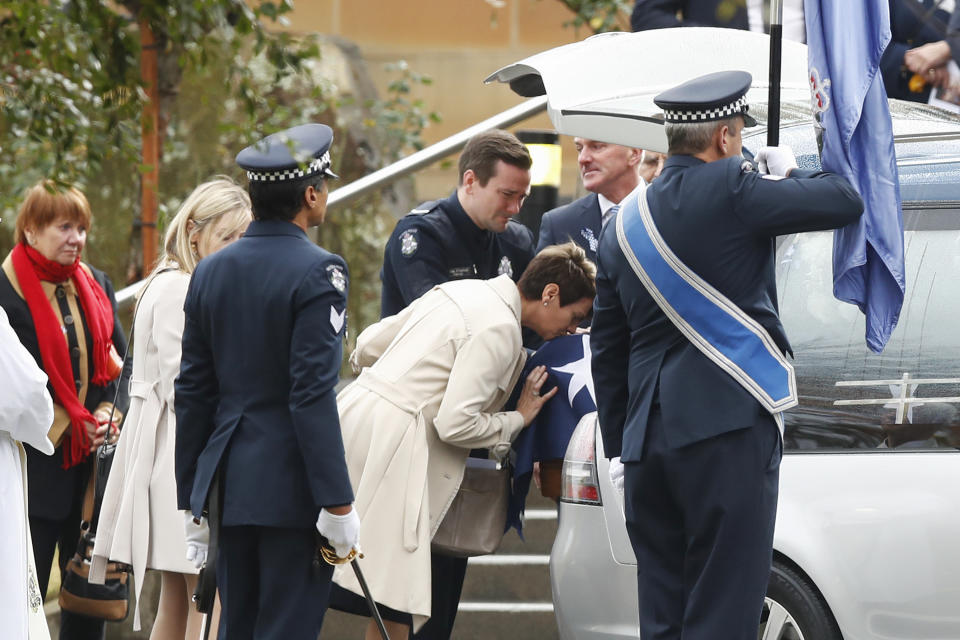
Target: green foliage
(401,118)
(599,15)
(71,100)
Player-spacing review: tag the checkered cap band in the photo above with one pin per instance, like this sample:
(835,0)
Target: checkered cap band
(717,113)
(317,165)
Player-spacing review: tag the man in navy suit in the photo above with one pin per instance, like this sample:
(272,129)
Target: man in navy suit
(255,400)
(609,172)
(701,452)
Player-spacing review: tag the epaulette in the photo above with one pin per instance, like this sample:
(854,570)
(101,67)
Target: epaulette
(425,207)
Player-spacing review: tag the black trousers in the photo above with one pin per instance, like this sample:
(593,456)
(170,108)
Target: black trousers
(701,520)
(47,535)
(446,575)
(270,587)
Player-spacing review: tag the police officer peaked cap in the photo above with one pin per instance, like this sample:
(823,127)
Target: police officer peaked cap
(715,96)
(292,154)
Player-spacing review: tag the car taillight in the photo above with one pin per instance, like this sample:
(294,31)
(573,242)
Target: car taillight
(580,484)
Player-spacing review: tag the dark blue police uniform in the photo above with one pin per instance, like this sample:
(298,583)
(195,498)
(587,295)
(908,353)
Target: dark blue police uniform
(580,221)
(438,242)
(701,455)
(255,402)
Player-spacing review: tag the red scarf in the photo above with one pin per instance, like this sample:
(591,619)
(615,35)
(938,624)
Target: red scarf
(31,267)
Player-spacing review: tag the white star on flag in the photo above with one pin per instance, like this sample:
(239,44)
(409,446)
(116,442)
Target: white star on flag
(582,376)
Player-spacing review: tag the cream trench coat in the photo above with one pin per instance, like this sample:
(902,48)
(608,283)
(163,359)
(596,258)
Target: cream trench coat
(139,522)
(432,378)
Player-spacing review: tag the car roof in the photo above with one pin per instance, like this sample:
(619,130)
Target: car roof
(927,142)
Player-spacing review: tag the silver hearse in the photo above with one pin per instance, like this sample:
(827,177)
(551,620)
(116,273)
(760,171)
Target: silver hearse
(867,541)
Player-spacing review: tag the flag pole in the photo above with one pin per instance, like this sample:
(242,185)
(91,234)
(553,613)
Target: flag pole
(776,46)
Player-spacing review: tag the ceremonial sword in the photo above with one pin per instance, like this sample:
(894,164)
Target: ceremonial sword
(330,557)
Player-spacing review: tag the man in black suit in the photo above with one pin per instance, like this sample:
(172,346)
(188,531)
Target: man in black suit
(255,400)
(609,172)
(688,359)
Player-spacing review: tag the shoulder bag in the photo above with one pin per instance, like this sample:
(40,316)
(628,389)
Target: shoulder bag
(476,520)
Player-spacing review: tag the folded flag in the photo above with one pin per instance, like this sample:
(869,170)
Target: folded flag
(567,360)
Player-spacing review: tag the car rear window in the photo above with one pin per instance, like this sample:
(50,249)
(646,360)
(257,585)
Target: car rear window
(907,397)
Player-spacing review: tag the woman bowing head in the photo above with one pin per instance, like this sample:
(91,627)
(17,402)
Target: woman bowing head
(432,386)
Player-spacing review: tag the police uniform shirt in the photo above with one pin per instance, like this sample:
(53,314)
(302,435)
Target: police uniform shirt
(438,242)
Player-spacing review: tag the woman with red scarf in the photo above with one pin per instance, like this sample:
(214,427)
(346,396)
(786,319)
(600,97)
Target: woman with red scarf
(64,313)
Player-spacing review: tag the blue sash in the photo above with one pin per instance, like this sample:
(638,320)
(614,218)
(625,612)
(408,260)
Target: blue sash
(737,343)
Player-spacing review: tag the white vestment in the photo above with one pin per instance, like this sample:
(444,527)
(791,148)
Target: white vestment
(26,413)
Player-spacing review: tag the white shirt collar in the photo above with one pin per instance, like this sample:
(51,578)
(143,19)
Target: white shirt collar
(605,204)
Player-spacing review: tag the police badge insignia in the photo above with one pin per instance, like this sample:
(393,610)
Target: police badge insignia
(506,267)
(408,242)
(337,277)
(590,238)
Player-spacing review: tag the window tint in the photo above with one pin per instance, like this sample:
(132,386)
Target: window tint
(908,397)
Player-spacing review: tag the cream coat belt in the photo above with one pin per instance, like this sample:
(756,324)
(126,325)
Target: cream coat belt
(413,445)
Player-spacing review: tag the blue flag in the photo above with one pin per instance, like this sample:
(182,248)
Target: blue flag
(567,360)
(845,40)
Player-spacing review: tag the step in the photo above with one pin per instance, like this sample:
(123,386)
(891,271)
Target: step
(535,622)
(507,578)
(539,531)
(475,621)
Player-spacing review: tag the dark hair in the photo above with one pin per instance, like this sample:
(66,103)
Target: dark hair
(565,265)
(45,202)
(485,149)
(281,200)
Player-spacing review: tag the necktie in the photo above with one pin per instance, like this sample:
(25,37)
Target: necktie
(612,211)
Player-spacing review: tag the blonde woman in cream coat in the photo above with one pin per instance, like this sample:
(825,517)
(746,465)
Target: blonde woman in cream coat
(432,381)
(139,521)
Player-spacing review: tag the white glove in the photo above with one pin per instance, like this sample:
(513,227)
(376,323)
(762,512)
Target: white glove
(198,539)
(616,474)
(776,161)
(342,532)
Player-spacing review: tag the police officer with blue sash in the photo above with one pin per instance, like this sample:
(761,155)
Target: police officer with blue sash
(255,400)
(689,364)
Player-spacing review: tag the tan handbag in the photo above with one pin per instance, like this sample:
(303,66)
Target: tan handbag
(476,520)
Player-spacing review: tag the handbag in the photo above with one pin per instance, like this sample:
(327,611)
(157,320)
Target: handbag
(477,518)
(110,600)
